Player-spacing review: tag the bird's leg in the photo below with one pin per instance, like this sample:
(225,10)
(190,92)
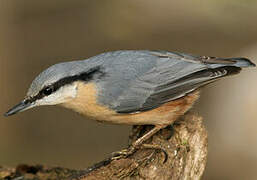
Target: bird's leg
(135,133)
(136,145)
(149,134)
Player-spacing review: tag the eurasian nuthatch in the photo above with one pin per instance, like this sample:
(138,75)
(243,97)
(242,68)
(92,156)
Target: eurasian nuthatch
(129,87)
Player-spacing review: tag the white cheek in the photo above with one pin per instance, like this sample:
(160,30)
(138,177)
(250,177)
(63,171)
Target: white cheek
(62,95)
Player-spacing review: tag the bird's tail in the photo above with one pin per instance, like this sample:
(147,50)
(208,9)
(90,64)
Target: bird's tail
(243,62)
(216,69)
(237,62)
(233,65)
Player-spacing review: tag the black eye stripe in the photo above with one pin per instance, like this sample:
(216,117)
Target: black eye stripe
(86,76)
(48,90)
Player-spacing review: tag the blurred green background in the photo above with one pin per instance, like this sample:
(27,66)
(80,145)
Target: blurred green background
(37,34)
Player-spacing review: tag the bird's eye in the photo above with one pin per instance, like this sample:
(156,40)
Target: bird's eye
(47,91)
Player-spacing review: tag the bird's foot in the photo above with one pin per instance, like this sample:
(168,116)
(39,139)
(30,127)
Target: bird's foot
(132,149)
(123,153)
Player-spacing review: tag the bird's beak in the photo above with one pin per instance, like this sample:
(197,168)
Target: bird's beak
(22,106)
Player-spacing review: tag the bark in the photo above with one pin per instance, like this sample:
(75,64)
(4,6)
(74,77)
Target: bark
(185,144)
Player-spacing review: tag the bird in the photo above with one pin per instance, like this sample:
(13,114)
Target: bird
(133,87)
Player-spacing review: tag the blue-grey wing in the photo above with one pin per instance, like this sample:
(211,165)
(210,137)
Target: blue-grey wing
(152,78)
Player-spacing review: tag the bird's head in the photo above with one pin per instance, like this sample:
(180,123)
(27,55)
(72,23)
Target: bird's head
(55,85)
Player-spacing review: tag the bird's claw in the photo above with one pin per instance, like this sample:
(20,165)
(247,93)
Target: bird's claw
(132,149)
(123,153)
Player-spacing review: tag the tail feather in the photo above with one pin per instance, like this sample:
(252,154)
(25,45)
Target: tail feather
(215,62)
(243,62)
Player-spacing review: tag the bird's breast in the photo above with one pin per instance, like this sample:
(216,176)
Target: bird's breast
(86,104)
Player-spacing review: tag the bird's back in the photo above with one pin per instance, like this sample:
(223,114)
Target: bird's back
(135,81)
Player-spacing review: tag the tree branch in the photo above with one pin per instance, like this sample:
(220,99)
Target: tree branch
(185,144)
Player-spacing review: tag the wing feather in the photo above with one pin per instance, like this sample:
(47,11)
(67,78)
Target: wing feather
(170,79)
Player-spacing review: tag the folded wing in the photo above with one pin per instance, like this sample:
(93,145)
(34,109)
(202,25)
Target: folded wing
(174,76)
